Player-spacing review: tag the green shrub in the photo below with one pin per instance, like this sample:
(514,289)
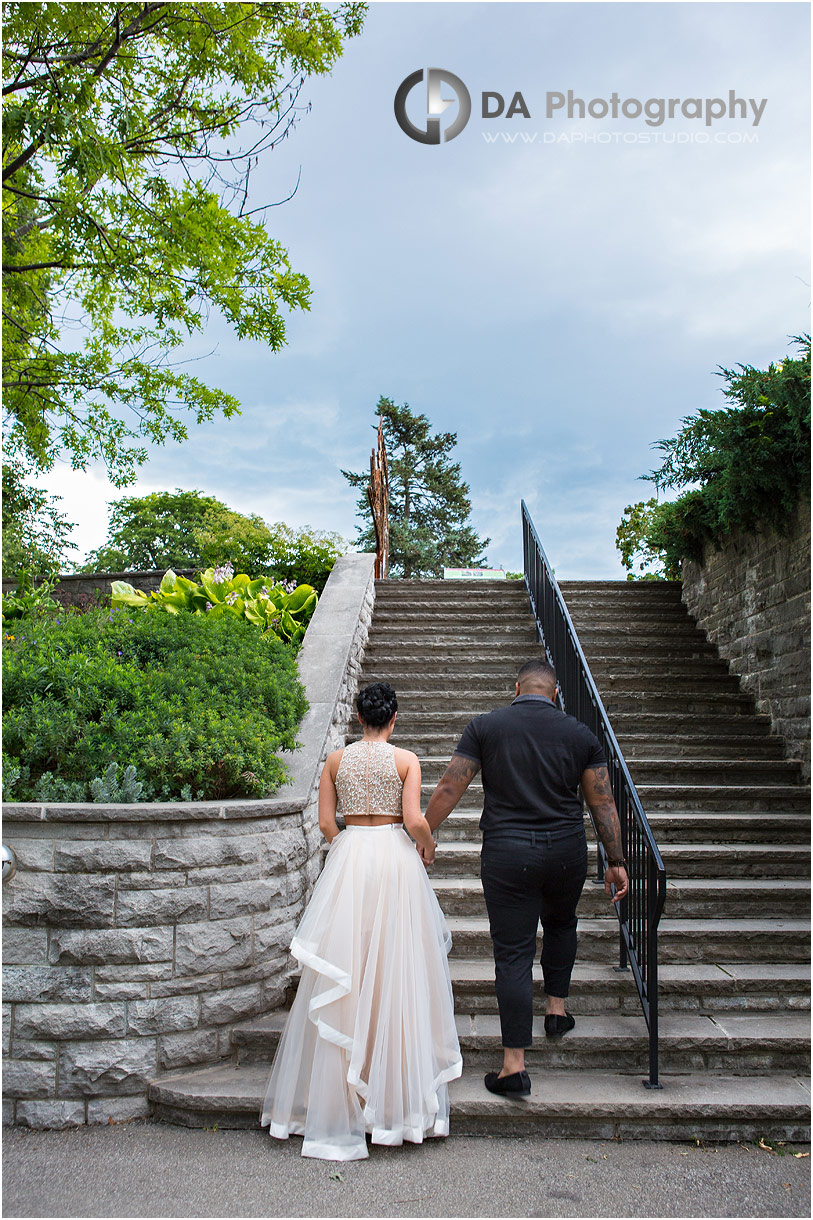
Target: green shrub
(281,612)
(199,706)
(743,467)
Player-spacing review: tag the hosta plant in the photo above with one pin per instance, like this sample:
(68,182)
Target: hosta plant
(281,611)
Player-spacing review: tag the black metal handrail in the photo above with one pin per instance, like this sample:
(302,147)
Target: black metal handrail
(640,912)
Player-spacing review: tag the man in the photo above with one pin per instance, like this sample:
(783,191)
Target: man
(534,857)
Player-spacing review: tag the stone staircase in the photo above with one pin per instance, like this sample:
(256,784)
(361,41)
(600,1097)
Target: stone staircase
(731,817)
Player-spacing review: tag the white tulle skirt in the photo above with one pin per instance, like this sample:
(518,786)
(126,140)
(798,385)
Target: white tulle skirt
(370,1042)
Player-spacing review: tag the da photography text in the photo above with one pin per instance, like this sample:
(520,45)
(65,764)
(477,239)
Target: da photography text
(426,127)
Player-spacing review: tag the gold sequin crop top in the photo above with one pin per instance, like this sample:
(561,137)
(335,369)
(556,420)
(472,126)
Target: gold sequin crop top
(367,781)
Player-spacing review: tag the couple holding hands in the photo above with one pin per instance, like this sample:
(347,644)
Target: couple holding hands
(370,1043)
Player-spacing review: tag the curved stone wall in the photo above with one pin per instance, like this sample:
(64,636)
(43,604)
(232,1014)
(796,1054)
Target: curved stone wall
(136,936)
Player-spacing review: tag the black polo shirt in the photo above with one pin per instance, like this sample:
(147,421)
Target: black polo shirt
(532,757)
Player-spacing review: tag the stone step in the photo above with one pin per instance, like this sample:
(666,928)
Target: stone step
(598,987)
(683,799)
(470,671)
(657,726)
(686,898)
(723,746)
(734,1042)
(724,797)
(482,633)
(674,828)
(635,590)
(699,860)
(681,941)
(489,691)
(584,1104)
(704,771)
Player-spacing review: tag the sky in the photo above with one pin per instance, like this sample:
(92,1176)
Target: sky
(559,291)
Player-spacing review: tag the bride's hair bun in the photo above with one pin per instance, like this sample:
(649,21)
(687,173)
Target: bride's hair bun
(377,704)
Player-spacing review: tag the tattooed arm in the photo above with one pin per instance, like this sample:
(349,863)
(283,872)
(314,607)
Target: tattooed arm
(598,793)
(456,779)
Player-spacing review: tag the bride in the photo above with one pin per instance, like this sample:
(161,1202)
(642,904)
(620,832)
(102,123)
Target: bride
(370,1042)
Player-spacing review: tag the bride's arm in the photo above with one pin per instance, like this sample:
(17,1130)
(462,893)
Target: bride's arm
(327,797)
(414,820)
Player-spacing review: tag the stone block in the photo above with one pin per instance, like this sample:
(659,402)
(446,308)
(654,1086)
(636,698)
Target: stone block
(29,1078)
(151,881)
(34,855)
(63,1021)
(98,1069)
(201,948)
(253,974)
(230,873)
(59,901)
(206,852)
(274,991)
(81,856)
(245,897)
(142,908)
(231,1005)
(146,972)
(27,1048)
(6,1028)
(50,1115)
(8,1111)
(46,984)
(272,937)
(283,851)
(22,946)
(121,991)
(198,984)
(111,946)
(163,1016)
(184,1050)
(117,1109)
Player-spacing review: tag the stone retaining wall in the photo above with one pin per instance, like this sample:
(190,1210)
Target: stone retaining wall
(752,598)
(136,936)
(84,589)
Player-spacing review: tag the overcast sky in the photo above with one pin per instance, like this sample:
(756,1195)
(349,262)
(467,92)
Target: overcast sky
(560,301)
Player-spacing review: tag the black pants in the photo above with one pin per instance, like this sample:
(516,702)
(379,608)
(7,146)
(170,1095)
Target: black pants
(530,876)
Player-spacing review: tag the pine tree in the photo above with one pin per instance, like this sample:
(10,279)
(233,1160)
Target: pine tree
(429,503)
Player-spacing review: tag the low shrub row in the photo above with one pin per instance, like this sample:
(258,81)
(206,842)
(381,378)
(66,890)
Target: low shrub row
(198,707)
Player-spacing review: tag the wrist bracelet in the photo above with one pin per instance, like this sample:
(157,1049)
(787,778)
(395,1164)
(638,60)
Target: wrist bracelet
(616,863)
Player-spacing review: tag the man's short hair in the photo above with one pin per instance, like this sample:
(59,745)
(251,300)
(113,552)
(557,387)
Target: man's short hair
(538,672)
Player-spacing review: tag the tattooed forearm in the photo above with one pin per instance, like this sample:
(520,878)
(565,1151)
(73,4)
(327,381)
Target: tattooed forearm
(456,779)
(598,793)
(460,769)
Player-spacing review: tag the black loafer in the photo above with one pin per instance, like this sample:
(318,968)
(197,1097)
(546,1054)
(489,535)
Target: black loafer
(518,1083)
(556,1025)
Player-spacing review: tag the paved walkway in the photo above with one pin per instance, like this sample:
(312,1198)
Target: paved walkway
(144,1169)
